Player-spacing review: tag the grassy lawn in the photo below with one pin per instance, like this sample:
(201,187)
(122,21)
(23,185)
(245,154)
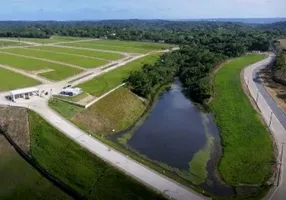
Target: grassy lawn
(67,110)
(118,110)
(4,43)
(247,146)
(81,170)
(70,59)
(53,39)
(91,53)
(29,64)
(11,80)
(110,80)
(19,180)
(122,46)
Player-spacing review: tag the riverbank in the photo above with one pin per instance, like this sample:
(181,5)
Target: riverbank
(241,129)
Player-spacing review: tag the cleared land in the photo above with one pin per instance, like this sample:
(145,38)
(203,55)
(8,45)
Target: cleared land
(118,110)
(11,80)
(29,64)
(121,46)
(90,53)
(53,39)
(110,80)
(19,180)
(283,43)
(4,43)
(241,128)
(81,170)
(70,59)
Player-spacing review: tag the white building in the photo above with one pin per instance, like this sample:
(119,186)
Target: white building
(23,93)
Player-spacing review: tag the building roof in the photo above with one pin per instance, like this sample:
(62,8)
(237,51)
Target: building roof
(24,90)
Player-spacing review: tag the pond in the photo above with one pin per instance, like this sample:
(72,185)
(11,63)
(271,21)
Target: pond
(179,135)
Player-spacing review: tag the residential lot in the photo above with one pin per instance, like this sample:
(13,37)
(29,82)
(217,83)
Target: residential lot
(110,80)
(69,59)
(121,46)
(10,80)
(33,65)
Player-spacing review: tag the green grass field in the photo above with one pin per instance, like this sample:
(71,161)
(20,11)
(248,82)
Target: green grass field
(247,146)
(121,46)
(118,110)
(91,53)
(11,80)
(69,59)
(110,80)
(19,180)
(81,170)
(4,43)
(29,64)
(53,39)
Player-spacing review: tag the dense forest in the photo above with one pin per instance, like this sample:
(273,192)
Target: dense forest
(204,45)
(279,67)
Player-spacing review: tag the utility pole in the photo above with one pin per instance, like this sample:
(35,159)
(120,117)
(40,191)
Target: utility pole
(270,120)
(257,96)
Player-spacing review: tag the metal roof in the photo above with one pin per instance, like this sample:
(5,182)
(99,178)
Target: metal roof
(24,90)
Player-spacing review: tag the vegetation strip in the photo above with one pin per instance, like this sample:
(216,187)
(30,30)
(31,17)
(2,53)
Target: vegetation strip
(91,177)
(240,127)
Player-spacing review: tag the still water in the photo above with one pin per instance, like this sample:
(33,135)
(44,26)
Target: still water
(174,131)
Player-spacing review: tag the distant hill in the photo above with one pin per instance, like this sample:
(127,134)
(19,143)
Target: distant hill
(241,20)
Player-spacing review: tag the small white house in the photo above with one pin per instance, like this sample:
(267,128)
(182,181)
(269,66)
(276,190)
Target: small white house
(23,93)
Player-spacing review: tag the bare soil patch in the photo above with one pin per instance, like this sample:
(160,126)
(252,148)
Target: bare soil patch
(276,90)
(14,121)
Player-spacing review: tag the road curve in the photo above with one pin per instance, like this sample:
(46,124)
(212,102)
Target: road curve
(272,116)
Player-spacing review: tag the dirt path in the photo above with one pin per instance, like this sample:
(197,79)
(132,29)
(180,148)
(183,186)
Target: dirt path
(75,41)
(43,59)
(31,75)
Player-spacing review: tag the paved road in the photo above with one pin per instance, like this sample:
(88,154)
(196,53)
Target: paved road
(273,118)
(138,171)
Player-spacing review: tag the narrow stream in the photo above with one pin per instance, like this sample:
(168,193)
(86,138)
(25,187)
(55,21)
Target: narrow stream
(175,131)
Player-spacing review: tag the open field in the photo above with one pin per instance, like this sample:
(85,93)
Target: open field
(60,71)
(102,84)
(11,80)
(90,53)
(283,43)
(4,43)
(67,110)
(53,39)
(70,59)
(78,168)
(118,110)
(241,128)
(121,46)
(19,180)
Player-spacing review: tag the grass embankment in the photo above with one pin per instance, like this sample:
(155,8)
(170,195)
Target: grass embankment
(64,58)
(106,82)
(121,46)
(78,168)
(60,71)
(10,80)
(118,110)
(247,146)
(19,180)
(73,98)
(90,53)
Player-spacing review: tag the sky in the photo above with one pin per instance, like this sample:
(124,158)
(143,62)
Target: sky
(139,9)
